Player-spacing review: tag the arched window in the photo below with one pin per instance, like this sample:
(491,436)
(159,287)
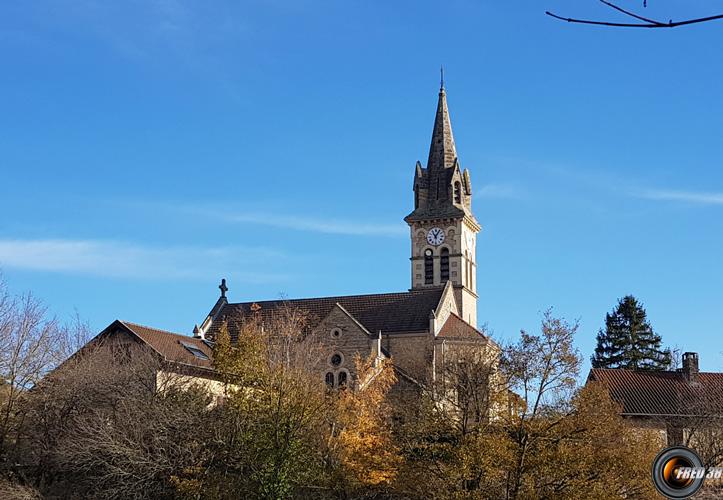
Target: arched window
(457,192)
(342,378)
(444,265)
(329,379)
(428,267)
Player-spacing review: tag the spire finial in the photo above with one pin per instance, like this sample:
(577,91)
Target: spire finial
(223,288)
(441,78)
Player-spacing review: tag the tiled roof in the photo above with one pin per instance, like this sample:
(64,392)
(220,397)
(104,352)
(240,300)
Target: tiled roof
(170,345)
(388,312)
(456,328)
(647,392)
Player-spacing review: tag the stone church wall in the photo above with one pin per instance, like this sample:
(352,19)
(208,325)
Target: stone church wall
(340,334)
(410,352)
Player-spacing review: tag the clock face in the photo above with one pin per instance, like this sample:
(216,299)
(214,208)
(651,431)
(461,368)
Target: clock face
(435,236)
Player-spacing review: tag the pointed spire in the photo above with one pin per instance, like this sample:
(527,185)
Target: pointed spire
(442,151)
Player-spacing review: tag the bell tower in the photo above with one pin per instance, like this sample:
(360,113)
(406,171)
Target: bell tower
(442,227)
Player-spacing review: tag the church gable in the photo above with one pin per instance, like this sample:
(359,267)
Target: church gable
(341,338)
(447,305)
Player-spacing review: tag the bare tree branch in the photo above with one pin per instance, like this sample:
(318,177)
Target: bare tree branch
(646,22)
(631,14)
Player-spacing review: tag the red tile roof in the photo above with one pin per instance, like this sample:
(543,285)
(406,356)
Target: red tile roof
(170,345)
(457,328)
(662,393)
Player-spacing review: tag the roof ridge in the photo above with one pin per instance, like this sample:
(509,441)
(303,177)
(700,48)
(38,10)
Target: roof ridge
(677,371)
(131,324)
(332,297)
(358,323)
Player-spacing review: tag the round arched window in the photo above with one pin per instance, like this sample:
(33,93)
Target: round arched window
(343,375)
(336,359)
(428,267)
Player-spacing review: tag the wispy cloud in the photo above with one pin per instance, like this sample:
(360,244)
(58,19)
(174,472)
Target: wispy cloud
(131,261)
(295,222)
(501,191)
(631,187)
(682,196)
(318,225)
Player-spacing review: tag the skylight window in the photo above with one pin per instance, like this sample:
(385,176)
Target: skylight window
(194,350)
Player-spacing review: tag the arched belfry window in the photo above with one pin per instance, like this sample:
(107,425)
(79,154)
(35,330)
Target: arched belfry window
(343,378)
(428,267)
(457,192)
(444,265)
(329,379)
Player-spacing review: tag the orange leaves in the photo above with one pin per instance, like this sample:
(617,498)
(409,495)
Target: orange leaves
(365,448)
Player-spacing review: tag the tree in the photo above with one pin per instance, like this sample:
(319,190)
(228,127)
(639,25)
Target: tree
(641,22)
(447,431)
(107,425)
(543,368)
(362,444)
(281,432)
(33,343)
(554,440)
(629,341)
(273,420)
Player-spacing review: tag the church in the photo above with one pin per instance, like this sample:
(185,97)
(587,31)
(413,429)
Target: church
(417,329)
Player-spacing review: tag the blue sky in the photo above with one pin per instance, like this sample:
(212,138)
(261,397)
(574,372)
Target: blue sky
(149,148)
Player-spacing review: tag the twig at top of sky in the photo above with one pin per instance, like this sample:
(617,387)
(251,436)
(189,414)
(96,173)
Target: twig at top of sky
(646,22)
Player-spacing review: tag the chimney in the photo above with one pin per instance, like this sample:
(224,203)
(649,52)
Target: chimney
(690,366)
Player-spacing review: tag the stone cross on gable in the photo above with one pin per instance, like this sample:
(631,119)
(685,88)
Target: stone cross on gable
(223,288)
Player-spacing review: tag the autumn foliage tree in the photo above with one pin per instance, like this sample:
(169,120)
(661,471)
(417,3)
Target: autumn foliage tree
(281,433)
(361,443)
(497,422)
(544,438)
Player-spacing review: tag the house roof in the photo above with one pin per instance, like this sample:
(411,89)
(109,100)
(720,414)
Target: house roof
(456,328)
(171,345)
(389,312)
(662,393)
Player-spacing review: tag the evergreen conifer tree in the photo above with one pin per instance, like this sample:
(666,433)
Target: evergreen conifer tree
(629,341)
